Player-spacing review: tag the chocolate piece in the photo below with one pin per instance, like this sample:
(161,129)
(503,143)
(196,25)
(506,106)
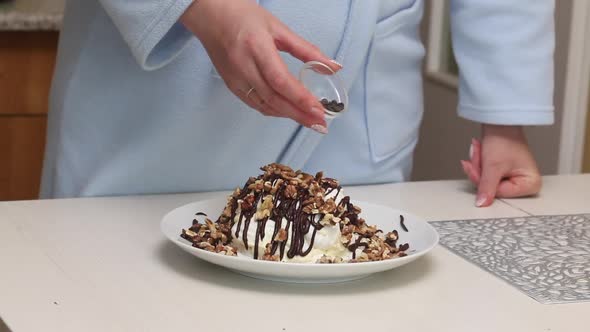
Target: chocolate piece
(332,105)
(401,222)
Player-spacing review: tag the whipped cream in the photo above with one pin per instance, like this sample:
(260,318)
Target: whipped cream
(327,241)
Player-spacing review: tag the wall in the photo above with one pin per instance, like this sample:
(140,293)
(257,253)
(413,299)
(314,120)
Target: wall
(445,138)
(586,162)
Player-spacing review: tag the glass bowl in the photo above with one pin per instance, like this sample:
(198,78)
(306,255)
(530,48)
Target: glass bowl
(324,83)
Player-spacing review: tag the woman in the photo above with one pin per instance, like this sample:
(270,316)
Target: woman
(140,100)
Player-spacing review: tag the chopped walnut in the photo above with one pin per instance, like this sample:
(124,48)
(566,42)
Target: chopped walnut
(291,191)
(316,190)
(356,209)
(274,258)
(329,206)
(327,220)
(207,246)
(363,257)
(226,250)
(248,203)
(189,233)
(226,211)
(281,235)
(288,174)
(345,239)
(305,178)
(267,202)
(329,260)
(257,186)
(276,186)
(268,256)
(330,183)
(267,186)
(262,214)
(348,229)
(319,175)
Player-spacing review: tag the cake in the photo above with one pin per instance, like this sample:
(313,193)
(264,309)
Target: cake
(291,216)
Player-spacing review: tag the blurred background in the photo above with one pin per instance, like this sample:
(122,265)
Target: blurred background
(29,31)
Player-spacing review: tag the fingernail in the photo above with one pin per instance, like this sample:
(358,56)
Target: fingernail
(475,142)
(463,164)
(319,128)
(471,151)
(480,201)
(317,111)
(336,63)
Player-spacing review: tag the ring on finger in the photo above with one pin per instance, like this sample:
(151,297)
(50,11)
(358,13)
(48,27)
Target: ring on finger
(250,92)
(253,95)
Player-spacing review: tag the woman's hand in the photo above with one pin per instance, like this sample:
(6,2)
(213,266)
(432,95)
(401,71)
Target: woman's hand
(502,165)
(243,41)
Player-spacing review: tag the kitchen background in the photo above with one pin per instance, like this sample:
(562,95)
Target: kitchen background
(29,31)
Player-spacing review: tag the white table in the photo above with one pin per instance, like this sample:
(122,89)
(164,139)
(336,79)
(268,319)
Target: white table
(101,264)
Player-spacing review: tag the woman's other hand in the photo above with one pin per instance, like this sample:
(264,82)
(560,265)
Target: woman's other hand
(243,41)
(502,165)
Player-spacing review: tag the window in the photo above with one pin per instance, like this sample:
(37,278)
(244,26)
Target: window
(440,60)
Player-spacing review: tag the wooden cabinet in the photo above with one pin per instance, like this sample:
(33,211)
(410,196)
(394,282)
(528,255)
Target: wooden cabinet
(27,60)
(22,140)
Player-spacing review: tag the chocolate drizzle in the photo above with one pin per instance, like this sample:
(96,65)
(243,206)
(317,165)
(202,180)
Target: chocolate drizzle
(297,205)
(354,246)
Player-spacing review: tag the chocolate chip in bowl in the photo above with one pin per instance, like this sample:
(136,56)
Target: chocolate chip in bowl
(328,87)
(332,105)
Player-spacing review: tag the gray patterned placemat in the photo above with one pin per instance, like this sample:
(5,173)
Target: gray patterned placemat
(546,257)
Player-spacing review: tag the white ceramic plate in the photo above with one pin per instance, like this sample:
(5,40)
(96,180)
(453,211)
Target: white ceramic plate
(421,236)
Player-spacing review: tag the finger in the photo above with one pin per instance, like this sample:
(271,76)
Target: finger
(488,184)
(288,41)
(285,109)
(476,155)
(277,76)
(279,107)
(472,175)
(251,98)
(519,186)
(269,111)
(245,91)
